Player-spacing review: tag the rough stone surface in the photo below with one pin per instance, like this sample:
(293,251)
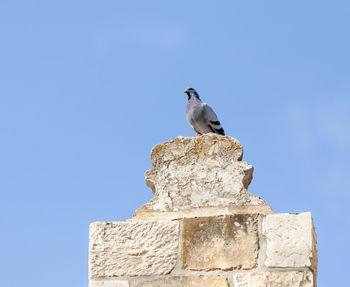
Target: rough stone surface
(196,172)
(202,212)
(290,240)
(203,228)
(109,283)
(186,281)
(132,248)
(220,242)
(274,279)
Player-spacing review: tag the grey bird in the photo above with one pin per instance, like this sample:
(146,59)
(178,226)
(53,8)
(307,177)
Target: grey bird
(201,116)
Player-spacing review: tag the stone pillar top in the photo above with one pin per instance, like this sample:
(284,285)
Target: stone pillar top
(200,176)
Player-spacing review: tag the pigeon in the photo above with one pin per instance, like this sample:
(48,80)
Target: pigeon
(201,116)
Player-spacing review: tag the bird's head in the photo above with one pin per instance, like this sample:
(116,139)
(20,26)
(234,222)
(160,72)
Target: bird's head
(191,93)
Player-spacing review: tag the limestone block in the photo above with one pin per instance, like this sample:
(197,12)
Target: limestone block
(197,172)
(186,281)
(290,240)
(274,279)
(132,248)
(221,242)
(109,283)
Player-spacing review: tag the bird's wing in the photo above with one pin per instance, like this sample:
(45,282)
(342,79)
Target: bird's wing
(212,120)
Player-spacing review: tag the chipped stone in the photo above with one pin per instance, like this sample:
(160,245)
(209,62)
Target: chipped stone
(109,283)
(274,279)
(290,240)
(186,281)
(220,242)
(199,172)
(132,248)
(201,185)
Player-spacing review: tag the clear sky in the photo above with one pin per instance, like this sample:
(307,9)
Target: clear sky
(87,88)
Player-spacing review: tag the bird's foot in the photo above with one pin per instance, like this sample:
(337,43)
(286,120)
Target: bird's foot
(198,135)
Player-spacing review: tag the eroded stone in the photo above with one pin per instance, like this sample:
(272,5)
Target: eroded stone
(220,242)
(274,279)
(290,240)
(132,248)
(199,172)
(117,283)
(186,281)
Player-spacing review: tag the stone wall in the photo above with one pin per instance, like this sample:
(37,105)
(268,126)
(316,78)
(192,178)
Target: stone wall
(203,227)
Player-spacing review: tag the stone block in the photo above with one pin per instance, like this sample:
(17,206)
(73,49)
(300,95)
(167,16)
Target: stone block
(290,240)
(186,281)
(199,172)
(132,248)
(220,242)
(274,279)
(109,283)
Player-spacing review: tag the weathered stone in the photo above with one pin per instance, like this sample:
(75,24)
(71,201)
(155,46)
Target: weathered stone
(132,248)
(220,242)
(201,212)
(186,281)
(274,279)
(109,283)
(290,240)
(199,172)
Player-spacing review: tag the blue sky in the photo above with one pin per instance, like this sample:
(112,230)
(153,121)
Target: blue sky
(87,88)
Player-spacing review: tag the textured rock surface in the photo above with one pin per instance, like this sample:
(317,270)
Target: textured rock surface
(203,228)
(132,248)
(274,279)
(290,240)
(221,242)
(109,283)
(196,172)
(186,281)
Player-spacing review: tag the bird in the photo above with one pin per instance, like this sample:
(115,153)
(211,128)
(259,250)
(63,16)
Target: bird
(201,116)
